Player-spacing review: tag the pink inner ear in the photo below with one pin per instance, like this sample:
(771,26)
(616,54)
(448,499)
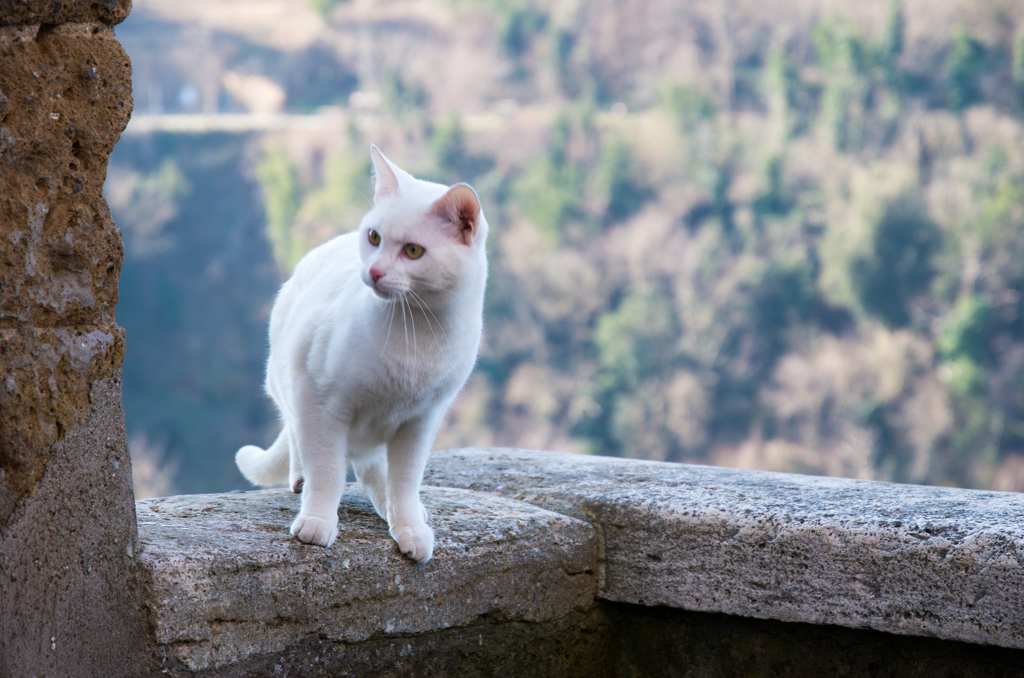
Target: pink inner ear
(460,207)
(386,183)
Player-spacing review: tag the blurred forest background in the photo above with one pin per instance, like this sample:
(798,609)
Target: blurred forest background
(782,234)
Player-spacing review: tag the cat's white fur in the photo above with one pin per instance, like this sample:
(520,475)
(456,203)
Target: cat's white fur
(368,348)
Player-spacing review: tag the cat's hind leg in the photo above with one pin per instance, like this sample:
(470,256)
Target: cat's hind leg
(265,467)
(294,467)
(371,469)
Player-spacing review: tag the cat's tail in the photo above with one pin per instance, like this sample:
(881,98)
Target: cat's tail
(265,467)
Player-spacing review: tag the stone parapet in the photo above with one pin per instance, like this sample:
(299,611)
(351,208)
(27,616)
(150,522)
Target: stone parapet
(904,559)
(617,567)
(229,583)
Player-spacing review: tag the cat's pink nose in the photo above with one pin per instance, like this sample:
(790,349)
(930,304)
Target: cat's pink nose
(376,274)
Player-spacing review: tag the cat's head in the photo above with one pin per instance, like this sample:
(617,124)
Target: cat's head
(420,237)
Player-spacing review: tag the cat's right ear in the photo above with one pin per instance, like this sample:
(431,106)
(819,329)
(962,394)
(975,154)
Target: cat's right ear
(385,177)
(460,207)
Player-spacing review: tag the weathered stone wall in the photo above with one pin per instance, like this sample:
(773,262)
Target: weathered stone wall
(69,594)
(905,559)
(569,565)
(510,590)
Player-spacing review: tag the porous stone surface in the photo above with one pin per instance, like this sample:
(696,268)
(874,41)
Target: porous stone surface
(64,99)
(70,597)
(70,600)
(228,584)
(580,645)
(15,12)
(912,560)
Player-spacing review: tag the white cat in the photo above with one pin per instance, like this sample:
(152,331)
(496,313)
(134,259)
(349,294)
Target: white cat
(370,341)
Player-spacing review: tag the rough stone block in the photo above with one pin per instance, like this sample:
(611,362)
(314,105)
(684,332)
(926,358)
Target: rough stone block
(65,97)
(45,394)
(20,12)
(227,582)
(580,645)
(905,559)
(70,599)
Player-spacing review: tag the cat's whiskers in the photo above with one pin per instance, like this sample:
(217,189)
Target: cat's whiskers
(385,320)
(405,325)
(391,320)
(424,307)
(415,299)
(412,321)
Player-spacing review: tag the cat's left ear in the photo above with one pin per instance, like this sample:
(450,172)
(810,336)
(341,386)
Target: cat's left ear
(386,175)
(460,207)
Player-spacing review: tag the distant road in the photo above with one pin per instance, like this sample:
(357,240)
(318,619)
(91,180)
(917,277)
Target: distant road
(327,118)
(232,122)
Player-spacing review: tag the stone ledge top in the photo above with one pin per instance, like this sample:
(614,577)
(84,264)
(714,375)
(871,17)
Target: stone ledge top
(532,536)
(226,579)
(904,559)
(31,12)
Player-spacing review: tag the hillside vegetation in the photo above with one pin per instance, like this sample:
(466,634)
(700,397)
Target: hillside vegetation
(779,235)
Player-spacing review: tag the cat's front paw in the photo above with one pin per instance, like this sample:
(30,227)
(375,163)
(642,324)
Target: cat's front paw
(415,541)
(313,530)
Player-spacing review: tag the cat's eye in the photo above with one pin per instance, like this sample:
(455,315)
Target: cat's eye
(374,237)
(414,251)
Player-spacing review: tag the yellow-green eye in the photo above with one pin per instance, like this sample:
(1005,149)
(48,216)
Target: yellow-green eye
(414,251)
(374,237)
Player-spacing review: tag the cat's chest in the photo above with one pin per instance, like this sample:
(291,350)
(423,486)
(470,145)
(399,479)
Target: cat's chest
(412,380)
(383,371)
(400,392)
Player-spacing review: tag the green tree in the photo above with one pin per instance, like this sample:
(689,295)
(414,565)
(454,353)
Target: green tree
(963,70)
(843,100)
(892,42)
(324,7)
(279,183)
(772,199)
(453,159)
(964,333)
(147,203)
(689,106)
(549,195)
(519,23)
(403,99)
(881,262)
(634,340)
(782,88)
(549,190)
(342,198)
(617,182)
(1017,69)
(901,266)
(449,144)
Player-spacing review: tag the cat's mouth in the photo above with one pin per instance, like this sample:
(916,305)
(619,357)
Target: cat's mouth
(384,291)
